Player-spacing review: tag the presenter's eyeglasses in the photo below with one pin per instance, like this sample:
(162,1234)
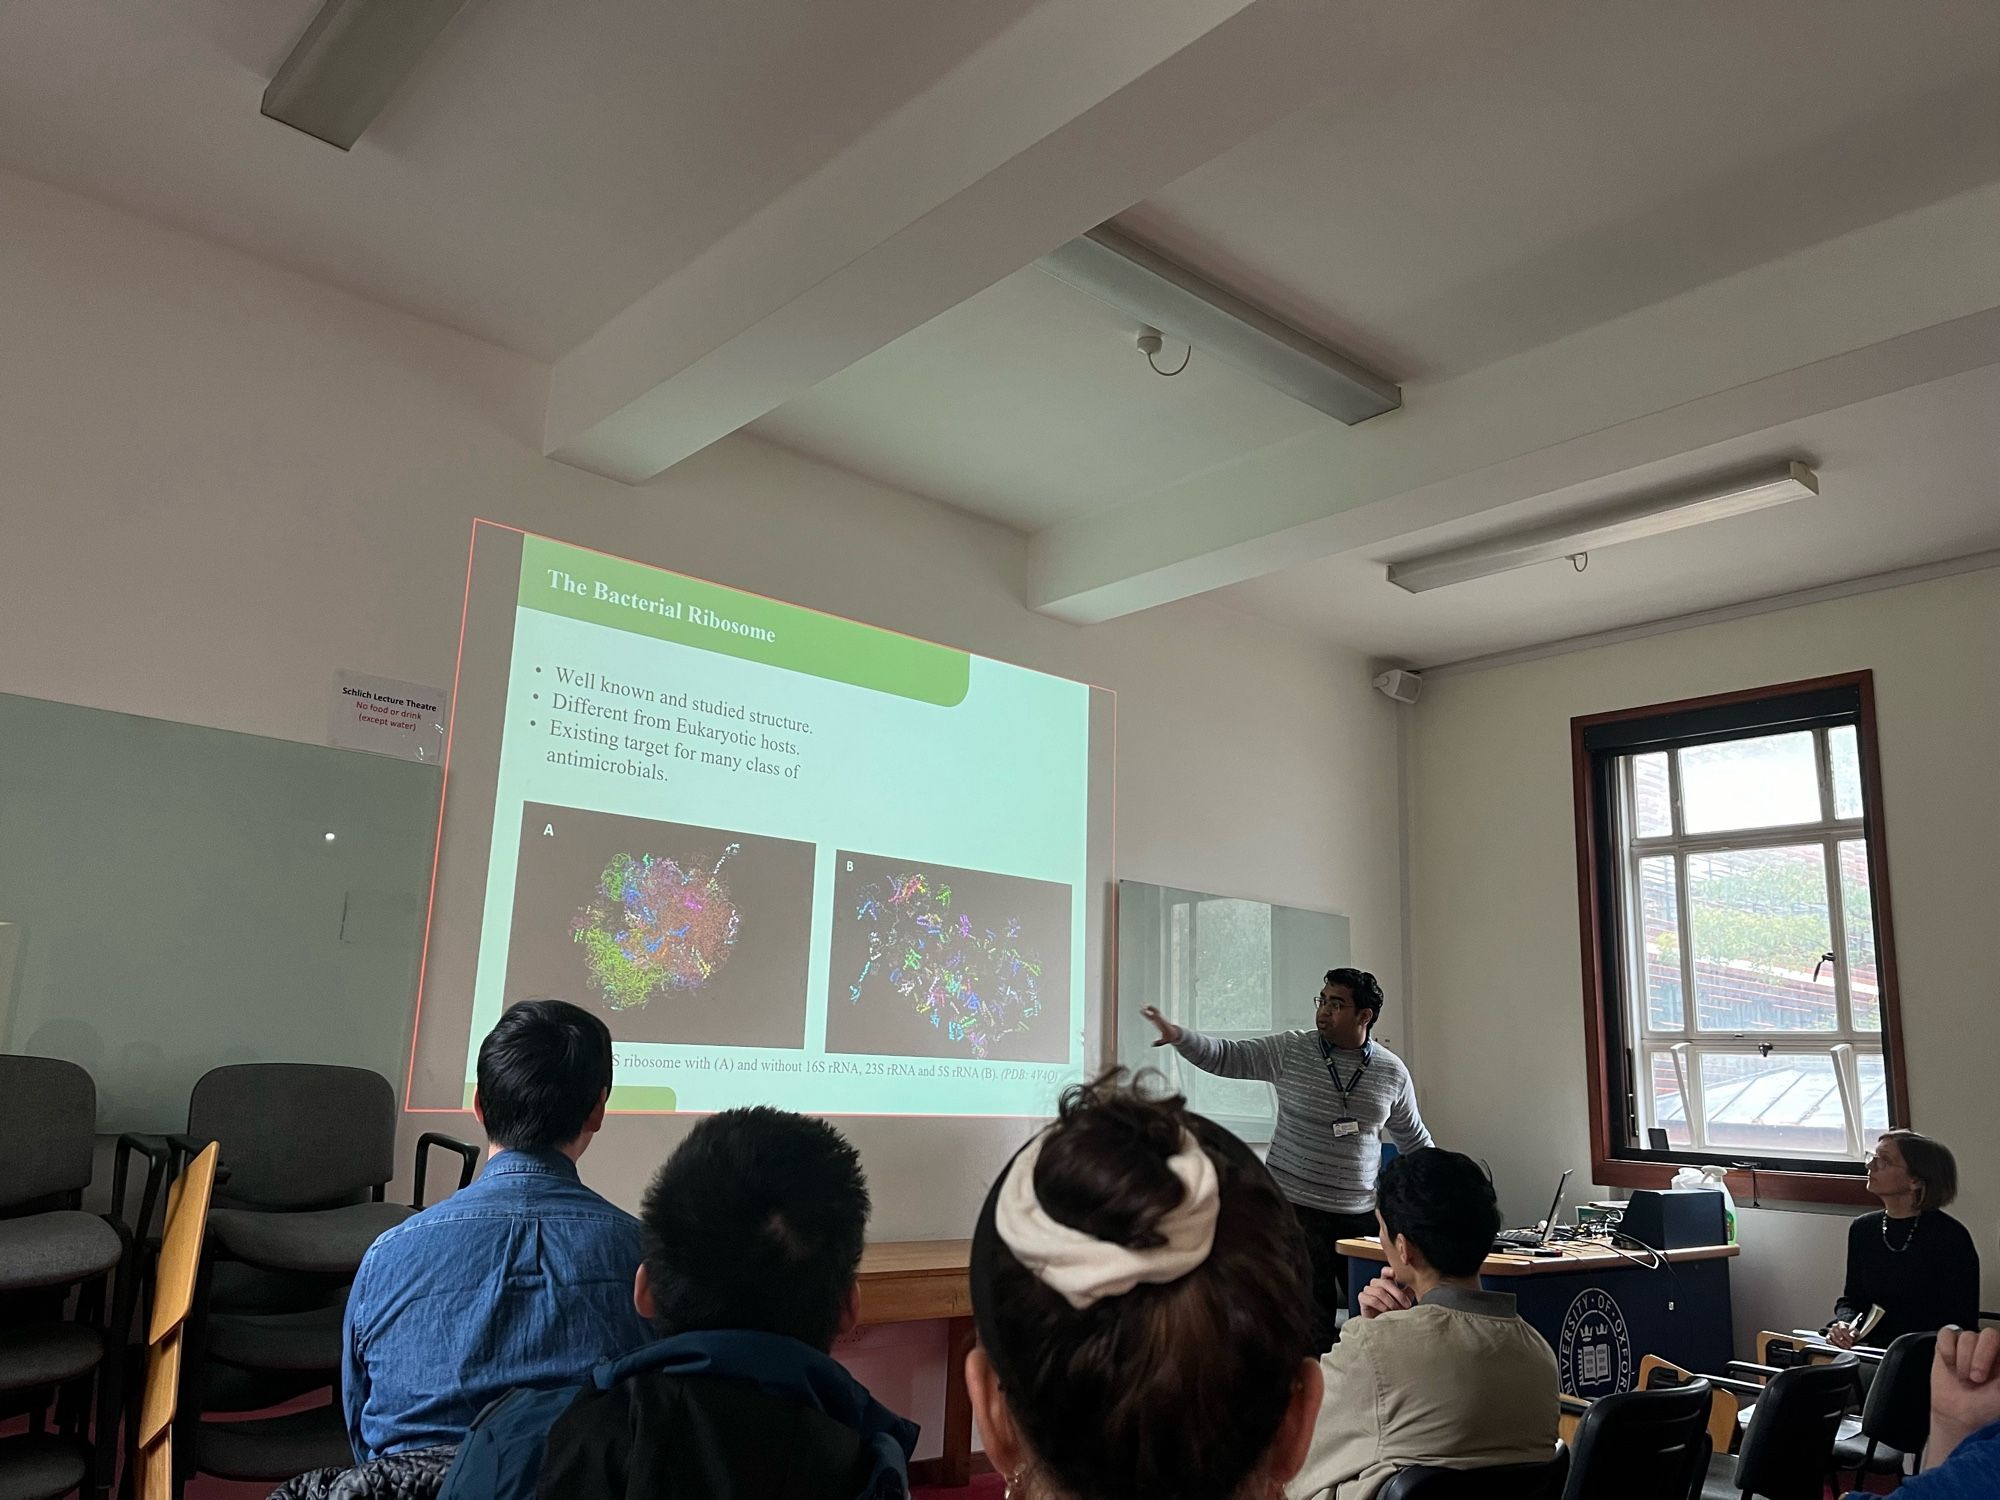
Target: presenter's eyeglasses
(1333,1002)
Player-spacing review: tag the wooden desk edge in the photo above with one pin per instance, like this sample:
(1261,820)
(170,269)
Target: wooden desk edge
(914,1281)
(917,1281)
(1596,1258)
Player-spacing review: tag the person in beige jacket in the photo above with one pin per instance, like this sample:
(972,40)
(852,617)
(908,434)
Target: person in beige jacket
(1436,1370)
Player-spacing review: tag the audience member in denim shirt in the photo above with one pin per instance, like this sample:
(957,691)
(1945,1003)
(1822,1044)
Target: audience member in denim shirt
(753,1237)
(522,1279)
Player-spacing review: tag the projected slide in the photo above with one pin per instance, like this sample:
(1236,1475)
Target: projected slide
(934,961)
(675,933)
(789,858)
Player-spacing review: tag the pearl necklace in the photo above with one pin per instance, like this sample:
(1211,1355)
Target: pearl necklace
(1908,1239)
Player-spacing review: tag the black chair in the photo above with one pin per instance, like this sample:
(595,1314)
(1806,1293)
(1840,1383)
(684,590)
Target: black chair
(308,1150)
(50,1253)
(1787,1451)
(1895,1418)
(1542,1481)
(1642,1445)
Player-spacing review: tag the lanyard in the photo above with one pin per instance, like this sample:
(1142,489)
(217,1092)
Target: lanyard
(1333,1073)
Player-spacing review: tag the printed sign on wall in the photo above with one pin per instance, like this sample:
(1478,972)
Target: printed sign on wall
(388,717)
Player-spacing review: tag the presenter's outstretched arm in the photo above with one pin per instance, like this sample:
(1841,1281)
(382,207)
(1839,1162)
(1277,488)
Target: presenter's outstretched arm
(1255,1057)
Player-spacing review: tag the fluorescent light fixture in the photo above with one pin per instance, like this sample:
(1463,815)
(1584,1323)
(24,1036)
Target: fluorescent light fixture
(1152,289)
(1606,526)
(351,60)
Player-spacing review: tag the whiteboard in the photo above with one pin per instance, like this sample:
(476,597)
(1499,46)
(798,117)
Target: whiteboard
(170,902)
(1224,965)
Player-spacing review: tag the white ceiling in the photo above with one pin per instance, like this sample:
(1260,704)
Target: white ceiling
(1905,480)
(1602,247)
(1029,403)
(1633,152)
(1469,215)
(545,165)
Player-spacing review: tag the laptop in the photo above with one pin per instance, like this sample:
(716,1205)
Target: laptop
(1534,1239)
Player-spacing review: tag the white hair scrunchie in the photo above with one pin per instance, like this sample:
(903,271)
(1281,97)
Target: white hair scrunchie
(1085,1269)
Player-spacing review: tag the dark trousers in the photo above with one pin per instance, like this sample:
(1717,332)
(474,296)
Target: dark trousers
(1329,1266)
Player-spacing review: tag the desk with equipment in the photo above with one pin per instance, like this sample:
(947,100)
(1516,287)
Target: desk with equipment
(1604,1303)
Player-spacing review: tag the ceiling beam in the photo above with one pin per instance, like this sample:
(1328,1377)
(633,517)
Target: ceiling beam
(349,63)
(1900,303)
(1169,298)
(1077,111)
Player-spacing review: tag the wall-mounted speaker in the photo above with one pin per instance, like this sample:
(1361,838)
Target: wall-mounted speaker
(1404,687)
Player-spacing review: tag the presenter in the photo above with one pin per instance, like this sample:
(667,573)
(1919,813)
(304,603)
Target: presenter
(1338,1093)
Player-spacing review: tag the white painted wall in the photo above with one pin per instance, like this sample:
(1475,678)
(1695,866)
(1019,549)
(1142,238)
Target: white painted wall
(1496,950)
(220,482)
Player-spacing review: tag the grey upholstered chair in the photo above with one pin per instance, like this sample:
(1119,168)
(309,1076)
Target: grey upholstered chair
(52,1253)
(1787,1450)
(308,1150)
(1895,1420)
(1642,1445)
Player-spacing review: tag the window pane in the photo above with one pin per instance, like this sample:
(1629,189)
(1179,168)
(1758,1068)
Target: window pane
(1758,783)
(1669,1110)
(1659,919)
(1652,797)
(1232,966)
(1844,757)
(1180,921)
(1874,1097)
(1777,1103)
(1759,926)
(1231,1098)
(1858,912)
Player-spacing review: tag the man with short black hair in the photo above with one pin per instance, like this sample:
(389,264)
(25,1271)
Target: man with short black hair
(1436,1370)
(1339,1092)
(754,1229)
(523,1278)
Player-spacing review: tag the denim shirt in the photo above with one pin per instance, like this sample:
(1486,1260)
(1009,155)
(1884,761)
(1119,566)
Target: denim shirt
(522,1279)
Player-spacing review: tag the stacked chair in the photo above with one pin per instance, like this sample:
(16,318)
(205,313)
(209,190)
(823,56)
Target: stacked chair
(65,1287)
(306,1152)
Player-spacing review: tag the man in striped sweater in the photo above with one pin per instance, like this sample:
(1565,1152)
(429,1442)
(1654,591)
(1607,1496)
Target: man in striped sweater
(1338,1092)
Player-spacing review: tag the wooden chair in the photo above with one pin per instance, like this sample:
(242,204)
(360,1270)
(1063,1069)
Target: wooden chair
(1783,1350)
(179,1268)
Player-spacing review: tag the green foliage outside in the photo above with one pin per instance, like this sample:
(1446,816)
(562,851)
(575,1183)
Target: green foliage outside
(1232,966)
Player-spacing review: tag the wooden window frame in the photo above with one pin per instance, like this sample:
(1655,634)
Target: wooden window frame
(1597,842)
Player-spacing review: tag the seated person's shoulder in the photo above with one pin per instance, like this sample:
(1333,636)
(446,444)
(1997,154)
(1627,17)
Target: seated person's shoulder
(653,1431)
(1955,1230)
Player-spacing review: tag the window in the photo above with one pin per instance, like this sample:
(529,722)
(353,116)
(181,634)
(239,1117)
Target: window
(1229,967)
(1739,969)
(1219,982)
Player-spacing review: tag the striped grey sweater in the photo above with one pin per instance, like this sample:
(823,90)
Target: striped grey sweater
(1313,1166)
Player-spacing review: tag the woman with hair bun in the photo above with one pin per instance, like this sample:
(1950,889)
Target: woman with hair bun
(1144,1320)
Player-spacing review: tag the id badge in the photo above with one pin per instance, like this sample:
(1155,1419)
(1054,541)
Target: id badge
(1346,1126)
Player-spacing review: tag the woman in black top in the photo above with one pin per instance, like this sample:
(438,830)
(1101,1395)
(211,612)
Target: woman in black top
(1913,1260)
